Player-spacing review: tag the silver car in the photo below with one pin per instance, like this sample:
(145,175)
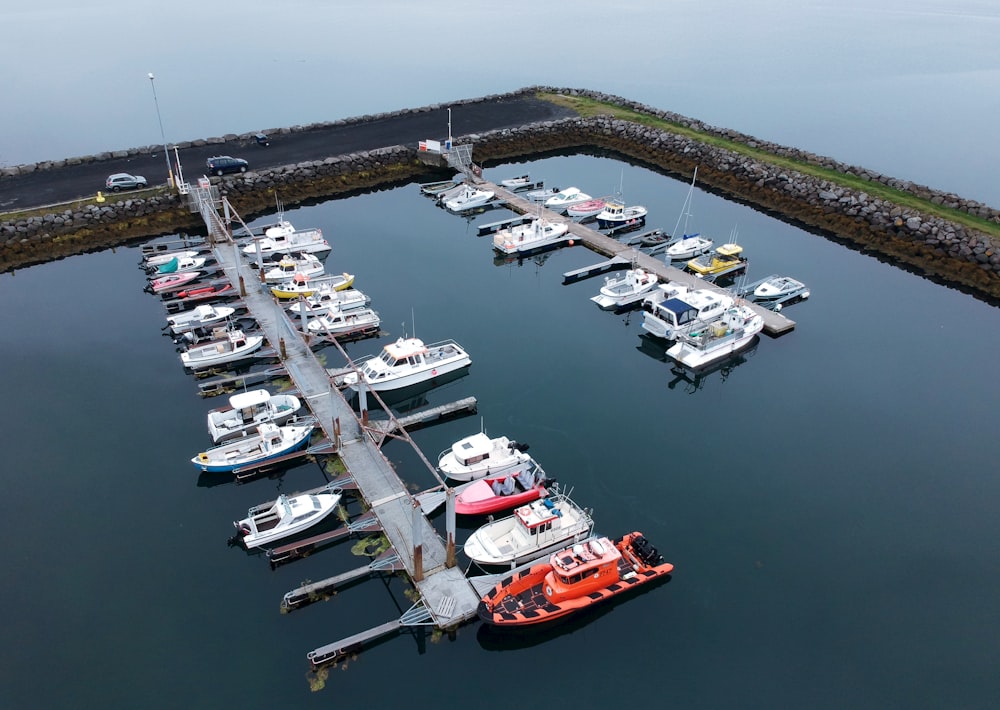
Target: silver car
(124,181)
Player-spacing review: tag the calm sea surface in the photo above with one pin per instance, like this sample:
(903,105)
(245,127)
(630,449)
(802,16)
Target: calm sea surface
(828,498)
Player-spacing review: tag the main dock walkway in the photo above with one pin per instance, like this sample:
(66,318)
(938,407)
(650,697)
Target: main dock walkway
(447,596)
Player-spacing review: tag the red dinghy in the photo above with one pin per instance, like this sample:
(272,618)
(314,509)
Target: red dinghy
(172,282)
(496,493)
(573,579)
(206,292)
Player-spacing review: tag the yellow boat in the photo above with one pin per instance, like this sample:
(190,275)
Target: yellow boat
(302,285)
(723,260)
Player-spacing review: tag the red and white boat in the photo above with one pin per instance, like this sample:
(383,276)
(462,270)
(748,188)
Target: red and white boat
(590,208)
(172,282)
(207,292)
(496,493)
(573,579)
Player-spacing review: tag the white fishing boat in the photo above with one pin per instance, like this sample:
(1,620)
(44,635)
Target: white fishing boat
(564,199)
(179,265)
(408,361)
(302,285)
(469,198)
(336,322)
(326,296)
(283,238)
(478,455)
(688,247)
(201,316)
(234,345)
(673,309)
(270,442)
(535,235)
(286,516)
(303,263)
(625,289)
(535,529)
(248,410)
(616,215)
(733,330)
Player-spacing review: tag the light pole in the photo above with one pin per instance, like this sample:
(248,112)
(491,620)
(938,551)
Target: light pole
(166,154)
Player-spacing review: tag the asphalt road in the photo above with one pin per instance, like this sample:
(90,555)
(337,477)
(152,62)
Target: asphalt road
(68,183)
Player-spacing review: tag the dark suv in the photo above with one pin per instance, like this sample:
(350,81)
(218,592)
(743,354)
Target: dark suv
(222,164)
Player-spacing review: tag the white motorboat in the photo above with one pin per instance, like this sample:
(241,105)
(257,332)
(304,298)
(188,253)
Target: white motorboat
(283,238)
(270,442)
(326,296)
(625,289)
(248,410)
(179,265)
(469,198)
(535,529)
(198,317)
(155,261)
(541,194)
(616,215)
(478,455)
(337,322)
(688,247)
(733,330)
(536,235)
(564,199)
(286,516)
(774,291)
(235,345)
(303,263)
(407,362)
(674,310)
(517,183)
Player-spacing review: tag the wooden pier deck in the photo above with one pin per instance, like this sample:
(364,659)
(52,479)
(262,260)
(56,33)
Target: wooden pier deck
(774,323)
(447,595)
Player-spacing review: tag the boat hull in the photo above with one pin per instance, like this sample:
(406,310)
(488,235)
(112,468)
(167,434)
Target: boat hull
(415,378)
(202,356)
(215,460)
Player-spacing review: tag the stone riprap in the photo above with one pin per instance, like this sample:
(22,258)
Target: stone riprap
(935,244)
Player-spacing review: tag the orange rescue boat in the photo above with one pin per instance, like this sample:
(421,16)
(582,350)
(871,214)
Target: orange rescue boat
(573,579)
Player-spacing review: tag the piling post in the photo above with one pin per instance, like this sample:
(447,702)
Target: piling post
(336,433)
(281,347)
(450,528)
(418,543)
(243,287)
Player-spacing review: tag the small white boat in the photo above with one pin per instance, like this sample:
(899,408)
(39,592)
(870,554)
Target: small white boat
(733,330)
(303,263)
(541,194)
(301,285)
(478,455)
(533,530)
(590,208)
(270,442)
(625,289)
(776,290)
(616,215)
(155,261)
(327,296)
(180,265)
(517,183)
(407,362)
(674,310)
(564,199)
(198,317)
(284,238)
(341,323)
(469,198)
(236,345)
(535,235)
(688,248)
(248,410)
(286,516)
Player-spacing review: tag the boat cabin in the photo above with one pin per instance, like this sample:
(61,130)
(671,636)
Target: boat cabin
(251,404)
(591,564)
(538,518)
(724,258)
(472,449)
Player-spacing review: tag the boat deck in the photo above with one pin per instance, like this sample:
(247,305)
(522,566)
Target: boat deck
(774,323)
(446,593)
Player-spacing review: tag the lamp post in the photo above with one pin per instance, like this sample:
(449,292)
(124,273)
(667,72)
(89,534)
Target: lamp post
(166,154)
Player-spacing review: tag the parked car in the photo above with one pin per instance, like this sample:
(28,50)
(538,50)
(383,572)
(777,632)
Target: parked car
(124,181)
(222,164)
